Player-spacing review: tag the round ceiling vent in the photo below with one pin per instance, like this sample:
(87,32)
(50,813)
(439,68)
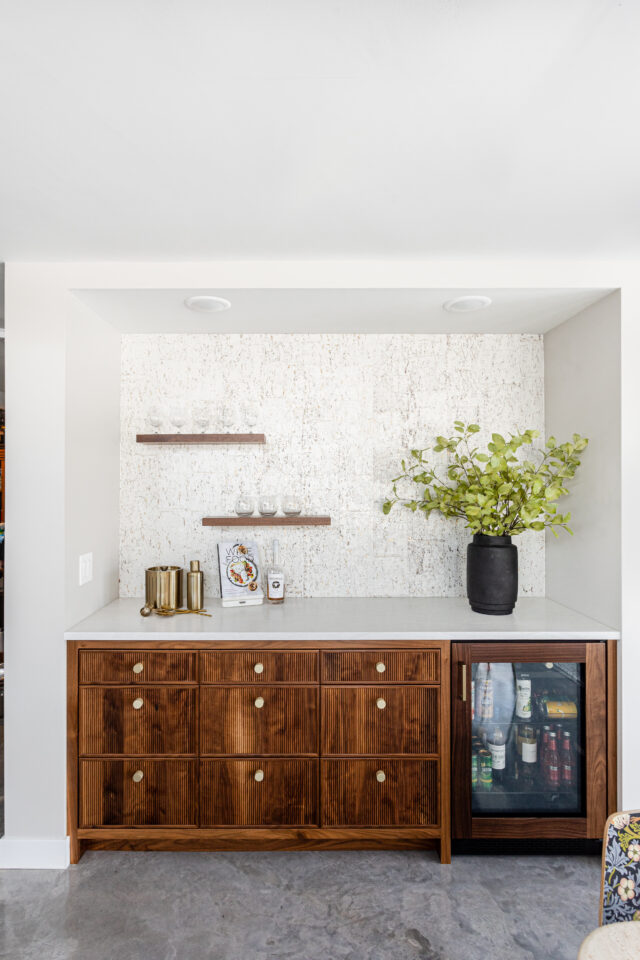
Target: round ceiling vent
(467,304)
(207,304)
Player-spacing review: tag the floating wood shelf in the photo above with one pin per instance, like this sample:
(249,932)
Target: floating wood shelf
(200,438)
(266,521)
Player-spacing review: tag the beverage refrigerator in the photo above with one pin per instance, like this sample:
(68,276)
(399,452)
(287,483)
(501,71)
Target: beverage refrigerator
(533,739)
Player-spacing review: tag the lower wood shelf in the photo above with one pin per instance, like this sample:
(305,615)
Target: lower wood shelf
(266,521)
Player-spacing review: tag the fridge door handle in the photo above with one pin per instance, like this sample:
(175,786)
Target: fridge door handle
(464,683)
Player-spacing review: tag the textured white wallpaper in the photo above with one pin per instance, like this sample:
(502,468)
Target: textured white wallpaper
(339,412)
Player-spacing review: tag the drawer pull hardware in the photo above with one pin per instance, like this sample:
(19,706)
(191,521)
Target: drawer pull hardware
(259,776)
(138,667)
(259,702)
(137,777)
(464,682)
(380,776)
(258,668)
(380,667)
(380,703)
(137,703)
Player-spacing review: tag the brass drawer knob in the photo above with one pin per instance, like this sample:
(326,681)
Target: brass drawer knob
(380,667)
(137,703)
(380,703)
(259,776)
(380,776)
(259,702)
(137,777)
(138,667)
(258,667)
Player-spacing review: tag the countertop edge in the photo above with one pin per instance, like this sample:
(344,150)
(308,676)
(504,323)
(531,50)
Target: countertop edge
(259,635)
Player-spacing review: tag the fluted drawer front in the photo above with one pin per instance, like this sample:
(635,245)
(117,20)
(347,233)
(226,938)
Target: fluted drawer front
(379,720)
(137,720)
(137,793)
(254,793)
(258,720)
(381,666)
(379,793)
(260,666)
(137,666)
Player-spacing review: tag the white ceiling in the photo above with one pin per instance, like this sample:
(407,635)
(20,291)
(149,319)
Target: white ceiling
(337,311)
(208,129)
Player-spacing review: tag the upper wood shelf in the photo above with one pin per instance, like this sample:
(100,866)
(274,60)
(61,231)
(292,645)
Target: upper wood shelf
(266,521)
(200,438)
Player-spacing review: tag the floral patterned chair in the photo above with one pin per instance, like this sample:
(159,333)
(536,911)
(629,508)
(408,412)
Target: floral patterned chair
(620,891)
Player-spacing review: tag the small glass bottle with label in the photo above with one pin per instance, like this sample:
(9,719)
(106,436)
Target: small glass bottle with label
(275,577)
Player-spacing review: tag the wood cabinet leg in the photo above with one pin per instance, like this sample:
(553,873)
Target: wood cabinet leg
(445,849)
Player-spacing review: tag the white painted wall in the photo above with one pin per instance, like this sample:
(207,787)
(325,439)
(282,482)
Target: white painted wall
(582,394)
(62,496)
(92,447)
(339,412)
(37,312)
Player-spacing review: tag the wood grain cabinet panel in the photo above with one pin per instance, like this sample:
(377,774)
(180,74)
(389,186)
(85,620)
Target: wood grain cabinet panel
(381,666)
(137,666)
(112,793)
(258,792)
(380,720)
(137,720)
(256,720)
(259,666)
(352,794)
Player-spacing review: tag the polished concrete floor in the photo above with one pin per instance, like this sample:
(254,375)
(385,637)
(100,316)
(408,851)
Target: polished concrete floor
(300,906)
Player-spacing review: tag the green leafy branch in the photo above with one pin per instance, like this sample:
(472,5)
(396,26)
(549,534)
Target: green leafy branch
(495,492)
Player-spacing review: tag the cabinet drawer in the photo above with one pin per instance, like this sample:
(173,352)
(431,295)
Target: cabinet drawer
(254,793)
(259,666)
(381,666)
(112,793)
(258,720)
(137,666)
(137,720)
(352,794)
(379,720)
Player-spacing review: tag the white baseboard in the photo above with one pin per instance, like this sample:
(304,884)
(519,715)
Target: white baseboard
(34,853)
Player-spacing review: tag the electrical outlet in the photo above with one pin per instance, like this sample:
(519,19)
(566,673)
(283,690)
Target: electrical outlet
(85,569)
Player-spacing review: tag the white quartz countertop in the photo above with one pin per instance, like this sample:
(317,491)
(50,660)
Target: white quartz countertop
(431,618)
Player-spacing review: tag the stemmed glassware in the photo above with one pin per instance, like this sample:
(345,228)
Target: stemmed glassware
(201,417)
(178,417)
(155,417)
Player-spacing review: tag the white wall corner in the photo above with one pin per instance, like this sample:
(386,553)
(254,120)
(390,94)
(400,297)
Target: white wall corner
(34,853)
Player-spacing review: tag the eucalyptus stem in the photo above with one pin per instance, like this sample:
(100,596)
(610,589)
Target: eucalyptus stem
(495,492)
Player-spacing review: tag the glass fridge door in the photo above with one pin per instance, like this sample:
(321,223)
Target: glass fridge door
(527,739)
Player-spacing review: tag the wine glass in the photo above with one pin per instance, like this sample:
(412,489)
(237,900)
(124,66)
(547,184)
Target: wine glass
(202,417)
(155,418)
(291,506)
(244,505)
(268,505)
(228,417)
(178,417)
(250,413)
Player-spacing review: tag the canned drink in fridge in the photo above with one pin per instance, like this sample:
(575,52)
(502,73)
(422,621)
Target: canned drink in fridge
(474,771)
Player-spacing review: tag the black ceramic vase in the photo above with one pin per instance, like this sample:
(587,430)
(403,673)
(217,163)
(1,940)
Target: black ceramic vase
(492,574)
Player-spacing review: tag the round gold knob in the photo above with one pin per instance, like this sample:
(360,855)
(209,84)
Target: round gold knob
(137,703)
(137,777)
(138,667)
(380,667)
(258,667)
(380,776)
(259,776)
(259,702)
(380,703)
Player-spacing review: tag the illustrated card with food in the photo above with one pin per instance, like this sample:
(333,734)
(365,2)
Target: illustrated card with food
(239,565)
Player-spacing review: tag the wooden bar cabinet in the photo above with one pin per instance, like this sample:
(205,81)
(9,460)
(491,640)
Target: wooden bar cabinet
(215,745)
